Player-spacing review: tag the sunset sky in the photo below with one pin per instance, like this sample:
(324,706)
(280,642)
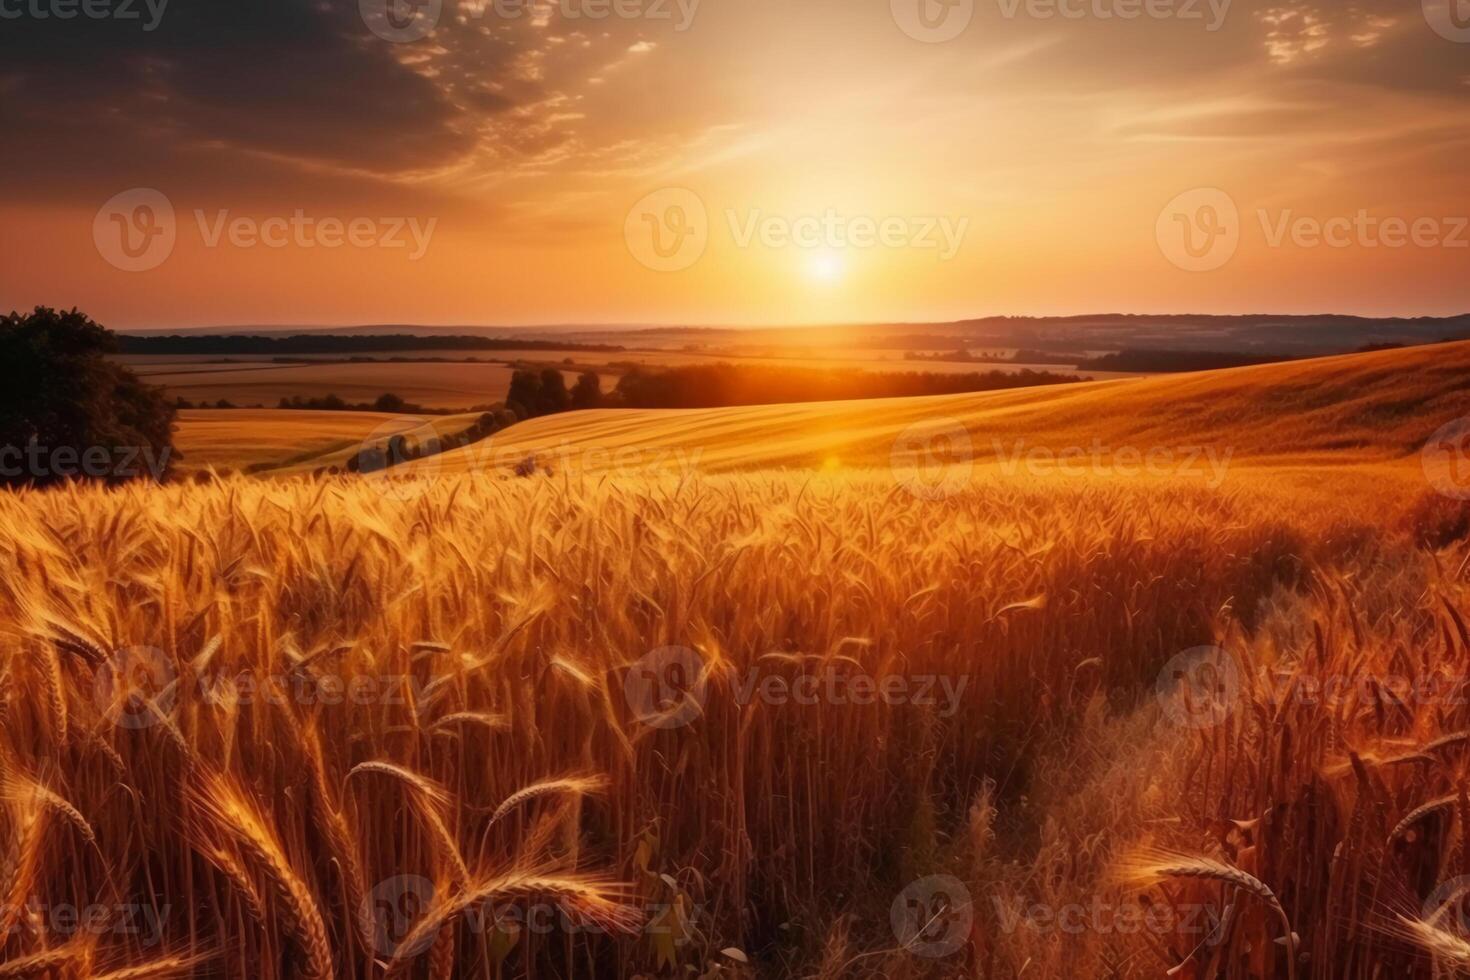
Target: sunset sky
(1049,147)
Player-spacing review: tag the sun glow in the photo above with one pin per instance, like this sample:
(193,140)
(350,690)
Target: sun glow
(826,266)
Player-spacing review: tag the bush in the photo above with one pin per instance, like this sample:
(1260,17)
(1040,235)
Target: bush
(68,413)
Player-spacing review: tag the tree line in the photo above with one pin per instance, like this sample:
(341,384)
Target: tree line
(533,394)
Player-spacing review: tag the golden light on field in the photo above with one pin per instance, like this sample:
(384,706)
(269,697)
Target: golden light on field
(583,692)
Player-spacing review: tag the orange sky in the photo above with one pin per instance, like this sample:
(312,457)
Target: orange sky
(1025,165)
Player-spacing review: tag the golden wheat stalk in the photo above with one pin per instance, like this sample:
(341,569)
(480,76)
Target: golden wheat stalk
(594,899)
(424,787)
(159,969)
(225,810)
(576,785)
(1152,866)
(1442,945)
(20,870)
(1421,812)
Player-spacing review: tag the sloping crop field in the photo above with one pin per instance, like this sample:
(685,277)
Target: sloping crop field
(1361,408)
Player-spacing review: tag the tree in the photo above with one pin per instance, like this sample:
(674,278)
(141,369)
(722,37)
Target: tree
(554,397)
(68,413)
(390,403)
(524,397)
(587,392)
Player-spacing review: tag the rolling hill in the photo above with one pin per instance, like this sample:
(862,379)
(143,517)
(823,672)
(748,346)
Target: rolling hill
(1375,408)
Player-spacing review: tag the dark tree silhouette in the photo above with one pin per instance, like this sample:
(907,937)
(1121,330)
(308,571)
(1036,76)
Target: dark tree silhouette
(524,397)
(587,392)
(554,397)
(67,412)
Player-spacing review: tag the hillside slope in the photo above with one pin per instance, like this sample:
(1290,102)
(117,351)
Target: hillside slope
(287,441)
(1361,408)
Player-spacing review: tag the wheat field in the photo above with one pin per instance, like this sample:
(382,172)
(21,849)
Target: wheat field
(767,722)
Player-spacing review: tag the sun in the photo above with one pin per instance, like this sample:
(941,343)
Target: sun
(826,266)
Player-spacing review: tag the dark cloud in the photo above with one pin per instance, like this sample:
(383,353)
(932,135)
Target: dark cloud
(275,79)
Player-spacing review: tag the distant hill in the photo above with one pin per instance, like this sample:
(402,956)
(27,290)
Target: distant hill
(337,343)
(1259,335)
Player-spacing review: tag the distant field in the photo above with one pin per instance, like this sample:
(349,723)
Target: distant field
(286,440)
(431,385)
(258,380)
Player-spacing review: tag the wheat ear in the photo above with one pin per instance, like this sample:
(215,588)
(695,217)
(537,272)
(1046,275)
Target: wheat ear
(1152,867)
(593,898)
(227,809)
(579,785)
